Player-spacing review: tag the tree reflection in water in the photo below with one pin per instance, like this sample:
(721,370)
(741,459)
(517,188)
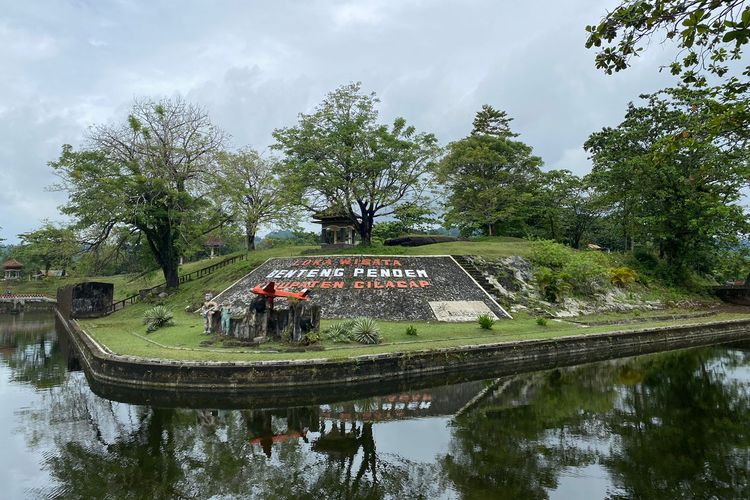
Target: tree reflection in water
(661,426)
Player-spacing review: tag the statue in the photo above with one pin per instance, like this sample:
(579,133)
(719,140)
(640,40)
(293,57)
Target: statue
(226,318)
(207,310)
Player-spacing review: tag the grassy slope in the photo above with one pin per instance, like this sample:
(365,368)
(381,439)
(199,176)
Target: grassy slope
(126,285)
(124,333)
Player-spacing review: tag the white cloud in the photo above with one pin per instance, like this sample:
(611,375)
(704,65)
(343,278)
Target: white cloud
(256,65)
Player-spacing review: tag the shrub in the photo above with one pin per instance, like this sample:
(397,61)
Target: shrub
(550,254)
(366,331)
(411,330)
(157,317)
(583,272)
(311,337)
(485,321)
(340,332)
(622,276)
(541,321)
(552,284)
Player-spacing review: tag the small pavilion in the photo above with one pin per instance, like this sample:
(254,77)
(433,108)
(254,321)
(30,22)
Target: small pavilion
(337,229)
(213,243)
(12,269)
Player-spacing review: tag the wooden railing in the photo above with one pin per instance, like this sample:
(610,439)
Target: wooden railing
(200,273)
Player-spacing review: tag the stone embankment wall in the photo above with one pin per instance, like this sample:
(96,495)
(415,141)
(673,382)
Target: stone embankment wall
(264,377)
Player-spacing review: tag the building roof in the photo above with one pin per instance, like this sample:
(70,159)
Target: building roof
(330,217)
(12,264)
(214,241)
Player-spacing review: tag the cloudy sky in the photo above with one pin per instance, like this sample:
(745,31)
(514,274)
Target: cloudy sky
(68,64)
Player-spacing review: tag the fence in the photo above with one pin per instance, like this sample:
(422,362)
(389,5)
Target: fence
(200,273)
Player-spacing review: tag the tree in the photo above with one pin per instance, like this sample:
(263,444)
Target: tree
(50,246)
(709,33)
(488,176)
(565,207)
(340,158)
(255,192)
(150,175)
(673,181)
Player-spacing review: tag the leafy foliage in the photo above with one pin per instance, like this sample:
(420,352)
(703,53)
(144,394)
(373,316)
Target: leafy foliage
(541,321)
(622,276)
(361,169)
(672,180)
(157,317)
(411,331)
(255,193)
(488,177)
(710,34)
(148,176)
(552,284)
(485,321)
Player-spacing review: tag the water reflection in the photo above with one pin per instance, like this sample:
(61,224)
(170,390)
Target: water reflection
(658,426)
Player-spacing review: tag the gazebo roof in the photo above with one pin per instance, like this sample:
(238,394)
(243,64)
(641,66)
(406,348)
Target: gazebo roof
(330,217)
(214,241)
(12,264)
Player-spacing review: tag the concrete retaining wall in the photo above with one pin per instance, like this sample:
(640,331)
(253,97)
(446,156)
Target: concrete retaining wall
(303,376)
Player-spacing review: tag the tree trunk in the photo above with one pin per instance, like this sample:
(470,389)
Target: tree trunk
(250,237)
(365,229)
(171,274)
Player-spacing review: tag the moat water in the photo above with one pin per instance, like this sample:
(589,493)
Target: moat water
(660,426)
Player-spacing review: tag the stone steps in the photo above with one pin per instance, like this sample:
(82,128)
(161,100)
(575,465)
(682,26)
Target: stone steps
(478,276)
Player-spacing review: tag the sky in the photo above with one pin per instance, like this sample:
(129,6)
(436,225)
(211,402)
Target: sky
(66,65)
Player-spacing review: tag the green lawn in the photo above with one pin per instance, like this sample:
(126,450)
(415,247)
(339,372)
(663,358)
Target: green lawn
(124,334)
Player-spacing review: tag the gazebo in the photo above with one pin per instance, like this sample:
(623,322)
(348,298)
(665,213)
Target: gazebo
(12,269)
(337,230)
(213,243)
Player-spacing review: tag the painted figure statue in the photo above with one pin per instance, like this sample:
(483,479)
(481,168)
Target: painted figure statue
(207,311)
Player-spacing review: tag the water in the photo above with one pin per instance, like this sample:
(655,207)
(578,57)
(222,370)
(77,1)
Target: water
(659,426)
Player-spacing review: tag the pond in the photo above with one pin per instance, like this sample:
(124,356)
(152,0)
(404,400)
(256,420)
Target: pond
(658,426)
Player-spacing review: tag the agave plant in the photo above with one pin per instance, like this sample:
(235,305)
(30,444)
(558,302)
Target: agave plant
(157,317)
(339,332)
(366,331)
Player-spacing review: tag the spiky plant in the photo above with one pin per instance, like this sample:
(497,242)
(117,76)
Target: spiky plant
(366,331)
(485,321)
(339,332)
(157,317)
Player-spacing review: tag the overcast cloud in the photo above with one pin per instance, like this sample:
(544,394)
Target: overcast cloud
(65,65)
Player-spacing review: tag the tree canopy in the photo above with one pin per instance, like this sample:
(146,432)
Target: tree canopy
(340,159)
(709,34)
(150,175)
(255,192)
(673,182)
(488,176)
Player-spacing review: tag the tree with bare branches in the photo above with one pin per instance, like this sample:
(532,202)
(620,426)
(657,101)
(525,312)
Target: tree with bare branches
(151,175)
(252,187)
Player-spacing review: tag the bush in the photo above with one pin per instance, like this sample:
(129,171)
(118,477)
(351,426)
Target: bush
(553,285)
(583,273)
(411,330)
(366,331)
(550,254)
(157,317)
(541,321)
(311,337)
(340,332)
(485,322)
(622,276)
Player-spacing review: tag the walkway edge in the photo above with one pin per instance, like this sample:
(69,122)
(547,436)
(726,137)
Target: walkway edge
(264,377)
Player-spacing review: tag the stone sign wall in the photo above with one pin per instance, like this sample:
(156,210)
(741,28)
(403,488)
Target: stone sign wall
(383,287)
